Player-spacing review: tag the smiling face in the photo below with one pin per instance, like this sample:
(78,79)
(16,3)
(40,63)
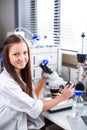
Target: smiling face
(18,55)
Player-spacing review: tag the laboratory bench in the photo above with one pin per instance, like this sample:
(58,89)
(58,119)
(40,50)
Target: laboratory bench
(59,118)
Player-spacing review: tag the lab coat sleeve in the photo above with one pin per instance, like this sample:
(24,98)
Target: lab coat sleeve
(14,97)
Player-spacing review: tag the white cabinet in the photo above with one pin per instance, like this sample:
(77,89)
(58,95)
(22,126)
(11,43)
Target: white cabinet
(39,54)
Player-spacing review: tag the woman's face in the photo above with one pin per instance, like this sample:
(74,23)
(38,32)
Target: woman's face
(18,55)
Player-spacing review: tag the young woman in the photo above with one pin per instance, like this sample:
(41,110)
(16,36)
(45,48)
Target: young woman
(19,104)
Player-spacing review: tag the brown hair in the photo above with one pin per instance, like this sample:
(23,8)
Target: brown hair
(26,72)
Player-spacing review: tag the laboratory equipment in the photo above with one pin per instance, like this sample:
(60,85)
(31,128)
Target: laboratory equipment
(81,74)
(56,83)
(46,92)
(78,103)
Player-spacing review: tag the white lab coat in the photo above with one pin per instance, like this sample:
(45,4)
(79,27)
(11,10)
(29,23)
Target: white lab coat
(18,111)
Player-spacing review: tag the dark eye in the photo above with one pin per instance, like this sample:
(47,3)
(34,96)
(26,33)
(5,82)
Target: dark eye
(16,54)
(25,53)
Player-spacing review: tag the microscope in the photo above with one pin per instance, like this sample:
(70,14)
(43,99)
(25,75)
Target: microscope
(56,83)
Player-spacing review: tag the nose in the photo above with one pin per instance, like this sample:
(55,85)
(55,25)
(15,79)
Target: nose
(21,57)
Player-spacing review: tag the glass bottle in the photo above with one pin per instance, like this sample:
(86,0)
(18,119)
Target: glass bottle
(47,90)
(78,103)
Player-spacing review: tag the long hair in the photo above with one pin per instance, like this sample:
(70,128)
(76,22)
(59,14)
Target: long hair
(26,72)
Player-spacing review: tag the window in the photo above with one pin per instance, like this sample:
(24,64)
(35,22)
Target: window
(45,15)
(73,24)
(62,21)
(39,16)
(49,20)
(26,15)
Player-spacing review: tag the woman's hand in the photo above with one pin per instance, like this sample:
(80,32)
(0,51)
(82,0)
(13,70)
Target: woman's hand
(68,91)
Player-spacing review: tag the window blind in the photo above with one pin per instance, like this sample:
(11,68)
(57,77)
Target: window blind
(26,15)
(57,21)
(73,24)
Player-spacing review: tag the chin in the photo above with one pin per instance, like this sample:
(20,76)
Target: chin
(22,67)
